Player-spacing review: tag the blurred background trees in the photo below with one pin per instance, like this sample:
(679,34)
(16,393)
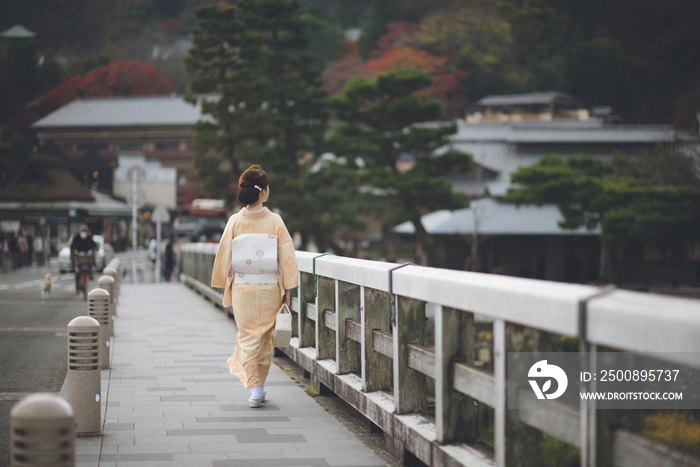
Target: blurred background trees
(653,198)
(379,126)
(638,56)
(270,109)
(641,57)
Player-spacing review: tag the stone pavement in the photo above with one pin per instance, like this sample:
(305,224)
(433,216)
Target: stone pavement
(169,400)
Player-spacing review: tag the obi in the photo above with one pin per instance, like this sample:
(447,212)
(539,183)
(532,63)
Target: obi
(254,259)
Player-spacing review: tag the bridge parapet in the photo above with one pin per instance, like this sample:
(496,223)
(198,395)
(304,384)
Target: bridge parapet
(423,353)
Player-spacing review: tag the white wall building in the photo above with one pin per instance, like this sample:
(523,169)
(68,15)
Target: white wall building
(159,186)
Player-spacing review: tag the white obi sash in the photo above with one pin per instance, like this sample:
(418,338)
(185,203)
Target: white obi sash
(254,259)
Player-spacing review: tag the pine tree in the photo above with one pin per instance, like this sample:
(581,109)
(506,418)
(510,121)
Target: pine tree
(383,122)
(653,198)
(230,91)
(295,106)
(269,109)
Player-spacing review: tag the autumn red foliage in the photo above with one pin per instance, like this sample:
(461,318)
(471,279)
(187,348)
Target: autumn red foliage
(396,34)
(119,78)
(124,78)
(338,72)
(393,51)
(406,58)
(447,84)
(170,25)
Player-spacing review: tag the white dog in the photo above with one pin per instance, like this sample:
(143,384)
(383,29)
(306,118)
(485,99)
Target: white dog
(46,286)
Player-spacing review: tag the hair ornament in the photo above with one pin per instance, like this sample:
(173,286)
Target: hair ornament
(258,188)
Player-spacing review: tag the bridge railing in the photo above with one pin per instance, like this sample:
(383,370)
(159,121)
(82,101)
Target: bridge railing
(422,353)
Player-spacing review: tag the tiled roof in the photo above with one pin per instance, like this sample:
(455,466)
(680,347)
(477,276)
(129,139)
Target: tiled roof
(18,32)
(45,178)
(495,218)
(535,98)
(122,112)
(586,132)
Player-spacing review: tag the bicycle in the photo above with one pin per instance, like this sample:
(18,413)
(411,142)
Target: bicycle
(83,261)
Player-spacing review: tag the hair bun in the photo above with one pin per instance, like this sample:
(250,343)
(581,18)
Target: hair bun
(253,177)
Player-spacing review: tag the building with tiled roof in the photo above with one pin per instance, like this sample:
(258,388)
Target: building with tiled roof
(527,241)
(501,148)
(97,130)
(46,197)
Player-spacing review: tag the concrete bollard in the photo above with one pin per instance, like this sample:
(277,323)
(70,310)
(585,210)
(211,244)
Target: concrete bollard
(112,272)
(107,283)
(83,381)
(42,432)
(116,264)
(98,308)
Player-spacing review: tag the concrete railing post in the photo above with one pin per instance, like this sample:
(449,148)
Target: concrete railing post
(98,308)
(83,381)
(107,283)
(42,433)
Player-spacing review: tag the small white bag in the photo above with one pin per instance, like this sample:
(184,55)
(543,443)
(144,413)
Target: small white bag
(283,327)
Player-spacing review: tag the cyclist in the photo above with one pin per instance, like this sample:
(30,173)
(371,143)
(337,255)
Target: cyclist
(82,242)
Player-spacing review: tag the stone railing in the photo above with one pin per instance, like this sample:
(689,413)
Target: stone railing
(422,353)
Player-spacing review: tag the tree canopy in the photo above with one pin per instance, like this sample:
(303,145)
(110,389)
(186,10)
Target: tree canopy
(268,109)
(654,197)
(638,56)
(379,129)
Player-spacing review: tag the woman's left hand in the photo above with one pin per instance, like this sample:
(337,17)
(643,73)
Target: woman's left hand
(287,297)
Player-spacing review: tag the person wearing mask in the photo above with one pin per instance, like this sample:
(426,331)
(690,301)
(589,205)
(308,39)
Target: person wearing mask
(82,242)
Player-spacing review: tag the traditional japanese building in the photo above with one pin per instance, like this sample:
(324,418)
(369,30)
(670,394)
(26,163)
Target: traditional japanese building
(518,131)
(47,201)
(93,132)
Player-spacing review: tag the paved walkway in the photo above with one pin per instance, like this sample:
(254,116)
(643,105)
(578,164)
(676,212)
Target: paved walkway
(169,400)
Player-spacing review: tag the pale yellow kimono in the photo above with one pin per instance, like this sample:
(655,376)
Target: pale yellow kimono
(255,306)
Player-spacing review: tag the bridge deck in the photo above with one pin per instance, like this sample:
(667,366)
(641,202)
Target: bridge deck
(169,399)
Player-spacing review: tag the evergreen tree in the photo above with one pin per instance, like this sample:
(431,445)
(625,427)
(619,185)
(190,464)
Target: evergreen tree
(632,201)
(295,107)
(269,109)
(380,127)
(375,27)
(222,62)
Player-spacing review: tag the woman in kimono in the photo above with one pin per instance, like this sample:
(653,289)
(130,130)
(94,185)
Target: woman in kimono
(256,298)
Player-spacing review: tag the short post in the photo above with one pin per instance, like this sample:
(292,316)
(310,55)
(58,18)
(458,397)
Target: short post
(112,272)
(107,283)
(98,308)
(117,266)
(42,433)
(83,381)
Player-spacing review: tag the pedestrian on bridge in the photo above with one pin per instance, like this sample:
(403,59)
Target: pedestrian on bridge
(256,266)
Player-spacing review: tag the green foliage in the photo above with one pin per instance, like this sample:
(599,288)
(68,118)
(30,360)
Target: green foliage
(629,199)
(269,110)
(50,71)
(325,205)
(676,428)
(219,61)
(660,166)
(326,40)
(375,27)
(92,62)
(380,120)
(20,65)
(602,63)
(10,163)
(557,453)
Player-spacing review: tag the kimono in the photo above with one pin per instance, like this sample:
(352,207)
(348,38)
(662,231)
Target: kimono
(255,306)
